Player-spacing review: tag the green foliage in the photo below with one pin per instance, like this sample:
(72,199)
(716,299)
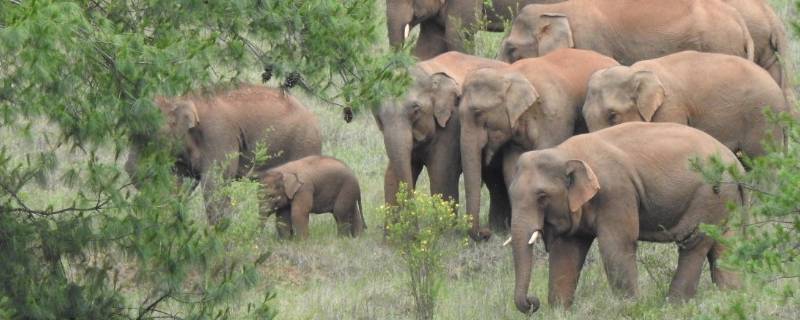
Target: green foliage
(769,229)
(416,227)
(77,82)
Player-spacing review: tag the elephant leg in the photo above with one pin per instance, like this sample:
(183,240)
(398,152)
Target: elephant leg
(618,250)
(444,177)
(499,202)
(567,255)
(461,24)
(690,265)
(431,41)
(722,278)
(301,208)
(346,213)
(283,223)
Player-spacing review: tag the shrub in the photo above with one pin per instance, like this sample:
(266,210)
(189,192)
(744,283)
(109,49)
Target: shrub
(416,228)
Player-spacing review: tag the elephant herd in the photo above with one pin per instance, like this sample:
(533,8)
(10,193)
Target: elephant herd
(581,130)
(584,127)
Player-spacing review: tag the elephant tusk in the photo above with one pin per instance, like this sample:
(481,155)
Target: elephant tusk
(406,31)
(534,237)
(507,242)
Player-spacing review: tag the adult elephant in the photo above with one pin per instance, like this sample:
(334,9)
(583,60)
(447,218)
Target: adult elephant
(687,88)
(628,30)
(422,128)
(532,104)
(620,185)
(769,37)
(223,128)
(444,24)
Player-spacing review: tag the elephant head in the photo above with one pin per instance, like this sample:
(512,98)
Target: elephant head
(413,119)
(279,188)
(402,15)
(547,194)
(622,94)
(493,102)
(180,120)
(534,34)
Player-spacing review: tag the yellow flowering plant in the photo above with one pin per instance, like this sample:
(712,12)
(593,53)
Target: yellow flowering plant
(417,227)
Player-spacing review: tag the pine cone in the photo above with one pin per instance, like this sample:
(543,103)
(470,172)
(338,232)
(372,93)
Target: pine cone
(348,114)
(267,74)
(291,80)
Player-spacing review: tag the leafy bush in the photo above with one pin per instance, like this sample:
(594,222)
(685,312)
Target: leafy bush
(77,82)
(416,227)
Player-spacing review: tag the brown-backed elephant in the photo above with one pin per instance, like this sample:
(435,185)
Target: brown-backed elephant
(628,30)
(620,185)
(534,103)
(421,128)
(223,128)
(723,95)
(445,24)
(315,184)
(769,37)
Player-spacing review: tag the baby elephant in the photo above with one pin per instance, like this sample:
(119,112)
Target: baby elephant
(619,185)
(315,184)
(720,94)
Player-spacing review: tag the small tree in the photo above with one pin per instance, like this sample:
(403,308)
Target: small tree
(416,227)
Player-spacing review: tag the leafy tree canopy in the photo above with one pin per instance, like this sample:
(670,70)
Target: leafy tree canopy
(77,80)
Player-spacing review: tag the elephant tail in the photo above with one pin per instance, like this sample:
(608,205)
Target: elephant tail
(779,45)
(360,209)
(744,197)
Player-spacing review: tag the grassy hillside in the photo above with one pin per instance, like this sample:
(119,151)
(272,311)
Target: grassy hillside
(327,277)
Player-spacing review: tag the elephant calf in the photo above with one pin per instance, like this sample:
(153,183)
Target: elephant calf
(619,185)
(315,184)
(723,95)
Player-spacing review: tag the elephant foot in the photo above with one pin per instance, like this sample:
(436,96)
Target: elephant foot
(529,306)
(482,234)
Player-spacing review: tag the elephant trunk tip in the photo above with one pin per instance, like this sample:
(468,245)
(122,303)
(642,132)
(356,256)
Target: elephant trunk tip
(527,305)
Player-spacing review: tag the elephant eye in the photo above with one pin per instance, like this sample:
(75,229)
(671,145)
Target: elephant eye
(542,198)
(612,117)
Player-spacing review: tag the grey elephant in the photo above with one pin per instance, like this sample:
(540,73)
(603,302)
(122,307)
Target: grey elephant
(534,103)
(689,88)
(628,30)
(619,185)
(223,128)
(421,128)
(445,24)
(314,184)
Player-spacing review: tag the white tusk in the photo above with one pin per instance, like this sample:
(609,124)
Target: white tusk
(406,32)
(507,242)
(534,237)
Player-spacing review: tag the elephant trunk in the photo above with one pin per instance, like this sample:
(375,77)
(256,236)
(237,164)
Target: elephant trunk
(399,14)
(472,143)
(522,239)
(399,144)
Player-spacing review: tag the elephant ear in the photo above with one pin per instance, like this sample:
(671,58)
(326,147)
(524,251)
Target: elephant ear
(291,184)
(649,93)
(554,33)
(185,115)
(446,98)
(520,95)
(582,184)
